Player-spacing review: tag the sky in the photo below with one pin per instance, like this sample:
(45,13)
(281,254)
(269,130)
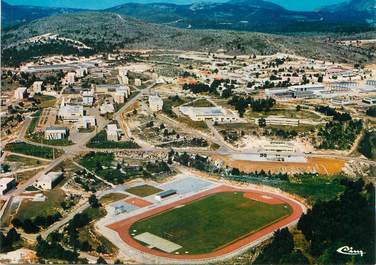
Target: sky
(299,5)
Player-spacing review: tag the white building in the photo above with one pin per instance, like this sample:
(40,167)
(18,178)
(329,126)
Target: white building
(88,98)
(275,120)
(113,133)
(6,184)
(37,86)
(69,112)
(55,133)
(369,101)
(106,107)
(20,93)
(137,82)
(70,78)
(215,114)
(80,72)
(155,103)
(118,97)
(87,122)
(49,180)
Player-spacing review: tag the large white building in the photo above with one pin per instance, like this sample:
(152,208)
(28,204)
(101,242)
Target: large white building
(155,103)
(49,180)
(69,112)
(55,133)
(215,114)
(275,120)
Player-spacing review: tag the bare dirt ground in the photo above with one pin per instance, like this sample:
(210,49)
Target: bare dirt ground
(327,166)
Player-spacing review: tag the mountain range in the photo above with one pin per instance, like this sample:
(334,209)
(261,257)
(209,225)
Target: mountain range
(242,15)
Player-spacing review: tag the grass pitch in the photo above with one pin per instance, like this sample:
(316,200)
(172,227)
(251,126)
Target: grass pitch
(213,222)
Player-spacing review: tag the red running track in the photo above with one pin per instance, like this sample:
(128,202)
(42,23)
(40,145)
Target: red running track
(122,227)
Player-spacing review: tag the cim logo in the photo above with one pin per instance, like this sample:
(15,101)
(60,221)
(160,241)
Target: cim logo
(346,250)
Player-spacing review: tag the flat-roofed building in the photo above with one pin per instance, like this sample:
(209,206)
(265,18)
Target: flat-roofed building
(87,97)
(137,82)
(155,103)
(81,72)
(369,101)
(70,78)
(113,132)
(6,184)
(70,112)
(215,114)
(55,133)
(164,194)
(279,146)
(275,120)
(371,83)
(49,180)
(20,93)
(107,107)
(37,86)
(87,122)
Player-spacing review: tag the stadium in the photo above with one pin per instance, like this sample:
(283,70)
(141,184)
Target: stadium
(209,225)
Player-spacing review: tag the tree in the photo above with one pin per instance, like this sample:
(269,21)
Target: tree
(93,201)
(279,249)
(262,122)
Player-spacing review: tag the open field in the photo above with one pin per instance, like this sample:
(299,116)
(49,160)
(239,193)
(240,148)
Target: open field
(30,209)
(325,166)
(203,226)
(143,190)
(112,197)
(24,161)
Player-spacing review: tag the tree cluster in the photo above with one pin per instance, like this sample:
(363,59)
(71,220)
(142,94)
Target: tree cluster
(241,104)
(32,226)
(346,221)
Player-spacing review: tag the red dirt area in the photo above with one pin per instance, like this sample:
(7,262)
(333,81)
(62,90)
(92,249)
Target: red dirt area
(122,227)
(262,198)
(138,202)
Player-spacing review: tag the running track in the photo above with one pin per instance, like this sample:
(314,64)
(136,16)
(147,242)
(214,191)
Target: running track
(122,227)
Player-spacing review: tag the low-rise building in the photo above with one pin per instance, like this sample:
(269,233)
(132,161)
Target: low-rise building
(70,78)
(215,114)
(275,120)
(49,180)
(118,97)
(137,82)
(70,112)
(88,97)
(6,184)
(87,122)
(369,101)
(20,93)
(37,86)
(155,103)
(106,107)
(164,194)
(113,133)
(81,72)
(55,133)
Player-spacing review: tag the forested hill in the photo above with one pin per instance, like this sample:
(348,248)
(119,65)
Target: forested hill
(108,31)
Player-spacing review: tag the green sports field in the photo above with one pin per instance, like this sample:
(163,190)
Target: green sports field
(212,222)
